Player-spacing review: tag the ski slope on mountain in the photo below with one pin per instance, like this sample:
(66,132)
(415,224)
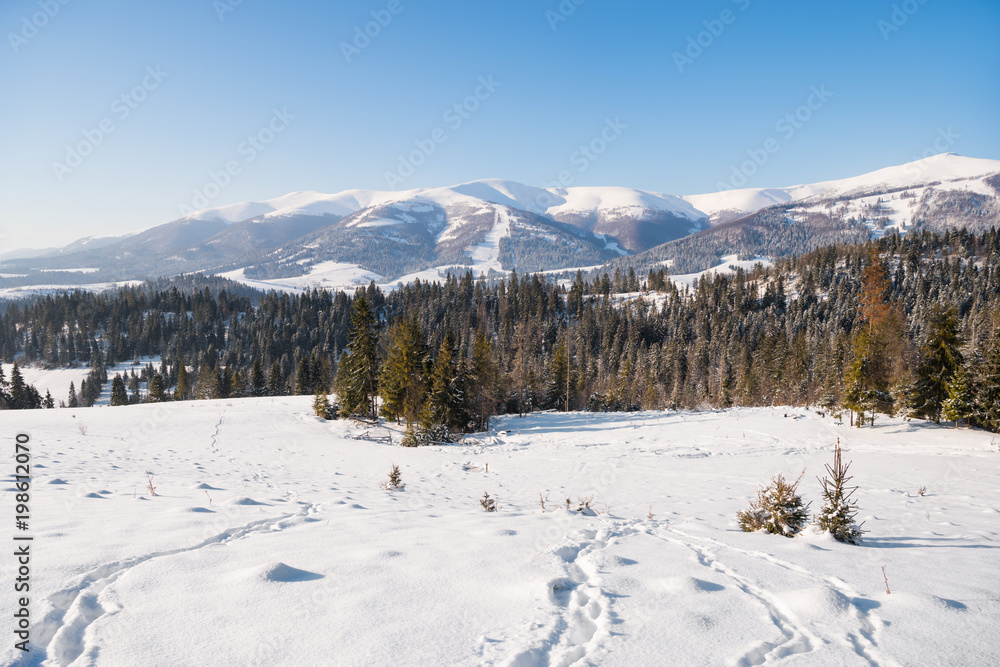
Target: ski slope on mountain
(270,542)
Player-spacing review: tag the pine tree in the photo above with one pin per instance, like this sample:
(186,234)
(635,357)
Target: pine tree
(359,387)
(275,380)
(73,401)
(837,514)
(19,397)
(445,411)
(207,384)
(778,509)
(484,376)
(940,357)
(303,377)
(119,395)
(987,403)
(556,387)
(156,389)
(258,385)
(960,402)
(183,386)
(321,406)
(49,401)
(402,385)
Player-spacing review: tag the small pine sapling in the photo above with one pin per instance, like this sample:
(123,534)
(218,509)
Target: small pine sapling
(395,481)
(488,504)
(837,515)
(778,509)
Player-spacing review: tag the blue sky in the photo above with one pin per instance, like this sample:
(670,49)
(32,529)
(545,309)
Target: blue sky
(117,114)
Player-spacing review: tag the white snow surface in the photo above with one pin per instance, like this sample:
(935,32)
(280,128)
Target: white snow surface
(269,542)
(726,268)
(330,276)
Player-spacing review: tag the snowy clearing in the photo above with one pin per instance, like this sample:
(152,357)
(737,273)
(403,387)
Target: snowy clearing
(269,541)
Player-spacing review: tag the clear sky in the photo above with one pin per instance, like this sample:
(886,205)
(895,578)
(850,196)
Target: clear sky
(115,114)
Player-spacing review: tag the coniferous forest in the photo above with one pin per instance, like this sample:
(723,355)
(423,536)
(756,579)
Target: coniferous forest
(902,325)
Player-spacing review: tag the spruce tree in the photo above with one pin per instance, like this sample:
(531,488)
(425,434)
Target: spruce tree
(258,385)
(940,356)
(557,384)
(484,380)
(119,395)
(156,389)
(73,401)
(778,509)
(321,406)
(183,385)
(960,402)
(987,402)
(402,385)
(19,397)
(445,411)
(359,386)
(275,380)
(837,513)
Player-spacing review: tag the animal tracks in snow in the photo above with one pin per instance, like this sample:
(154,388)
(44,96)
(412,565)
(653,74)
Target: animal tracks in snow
(577,616)
(825,611)
(62,630)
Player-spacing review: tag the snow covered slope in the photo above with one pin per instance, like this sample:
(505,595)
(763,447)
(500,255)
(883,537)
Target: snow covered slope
(947,168)
(269,542)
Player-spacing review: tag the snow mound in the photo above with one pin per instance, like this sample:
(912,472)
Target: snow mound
(243,501)
(278,572)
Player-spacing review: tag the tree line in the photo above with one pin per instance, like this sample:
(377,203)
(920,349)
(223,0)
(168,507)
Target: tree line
(900,325)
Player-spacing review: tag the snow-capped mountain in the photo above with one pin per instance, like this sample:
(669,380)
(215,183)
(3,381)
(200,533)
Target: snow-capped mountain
(501,225)
(946,171)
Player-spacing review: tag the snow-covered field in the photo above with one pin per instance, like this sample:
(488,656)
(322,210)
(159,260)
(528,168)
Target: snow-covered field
(269,541)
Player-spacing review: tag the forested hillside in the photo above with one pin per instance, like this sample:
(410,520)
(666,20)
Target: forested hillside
(903,324)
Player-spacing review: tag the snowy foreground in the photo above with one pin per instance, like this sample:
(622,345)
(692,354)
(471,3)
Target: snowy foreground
(269,542)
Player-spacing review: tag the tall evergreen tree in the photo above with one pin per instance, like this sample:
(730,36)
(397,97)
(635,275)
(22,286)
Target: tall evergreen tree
(119,395)
(156,389)
(19,396)
(73,401)
(445,411)
(275,380)
(258,385)
(940,356)
(959,405)
(484,385)
(360,385)
(183,389)
(402,385)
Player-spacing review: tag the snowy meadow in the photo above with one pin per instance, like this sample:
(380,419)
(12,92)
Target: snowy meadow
(249,532)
